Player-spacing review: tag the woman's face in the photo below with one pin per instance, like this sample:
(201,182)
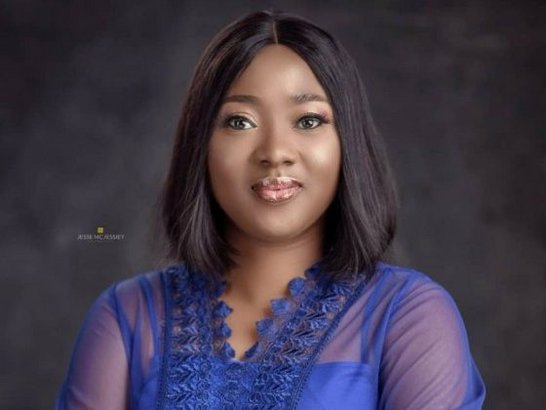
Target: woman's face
(274,155)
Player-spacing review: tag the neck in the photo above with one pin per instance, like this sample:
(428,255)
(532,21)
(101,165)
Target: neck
(264,268)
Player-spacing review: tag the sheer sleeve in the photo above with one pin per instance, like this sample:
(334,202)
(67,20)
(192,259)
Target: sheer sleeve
(98,374)
(116,357)
(426,361)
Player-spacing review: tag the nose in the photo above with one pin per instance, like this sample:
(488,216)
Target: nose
(276,148)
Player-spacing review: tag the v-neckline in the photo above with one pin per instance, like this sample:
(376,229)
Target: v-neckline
(271,325)
(198,370)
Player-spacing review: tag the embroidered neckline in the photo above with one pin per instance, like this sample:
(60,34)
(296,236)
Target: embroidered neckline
(269,327)
(198,370)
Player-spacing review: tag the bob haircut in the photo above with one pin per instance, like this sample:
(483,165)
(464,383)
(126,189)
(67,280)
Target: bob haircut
(361,221)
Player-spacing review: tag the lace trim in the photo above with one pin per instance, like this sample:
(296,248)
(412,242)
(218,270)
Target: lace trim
(199,370)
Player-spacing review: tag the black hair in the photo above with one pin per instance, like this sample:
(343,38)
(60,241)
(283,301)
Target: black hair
(361,221)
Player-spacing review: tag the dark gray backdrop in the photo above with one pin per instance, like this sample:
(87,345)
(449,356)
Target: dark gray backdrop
(93,90)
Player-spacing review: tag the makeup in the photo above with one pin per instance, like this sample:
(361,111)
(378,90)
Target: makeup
(277,189)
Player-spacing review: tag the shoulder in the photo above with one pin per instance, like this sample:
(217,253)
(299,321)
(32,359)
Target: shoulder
(136,294)
(425,356)
(133,287)
(419,308)
(404,284)
(406,298)
(399,276)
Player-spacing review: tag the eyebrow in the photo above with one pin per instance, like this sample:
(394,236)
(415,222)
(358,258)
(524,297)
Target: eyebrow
(295,98)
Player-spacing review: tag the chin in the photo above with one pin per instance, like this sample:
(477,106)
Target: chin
(277,232)
(274,235)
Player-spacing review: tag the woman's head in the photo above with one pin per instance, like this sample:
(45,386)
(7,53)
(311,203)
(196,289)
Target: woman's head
(274,154)
(359,224)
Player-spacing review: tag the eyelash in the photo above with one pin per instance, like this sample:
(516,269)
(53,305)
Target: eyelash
(323,119)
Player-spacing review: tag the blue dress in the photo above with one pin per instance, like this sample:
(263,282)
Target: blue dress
(159,341)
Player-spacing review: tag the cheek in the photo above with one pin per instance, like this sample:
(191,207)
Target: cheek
(224,166)
(218,154)
(214,165)
(325,159)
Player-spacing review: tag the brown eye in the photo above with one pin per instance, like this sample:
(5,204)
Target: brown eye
(309,122)
(238,122)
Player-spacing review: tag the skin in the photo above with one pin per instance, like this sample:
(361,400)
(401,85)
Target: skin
(271,134)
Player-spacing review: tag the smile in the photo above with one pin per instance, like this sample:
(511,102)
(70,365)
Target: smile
(276,190)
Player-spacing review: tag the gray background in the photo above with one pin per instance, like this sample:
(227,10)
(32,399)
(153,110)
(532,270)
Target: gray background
(92,94)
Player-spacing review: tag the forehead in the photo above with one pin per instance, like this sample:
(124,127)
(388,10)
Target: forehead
(276,69)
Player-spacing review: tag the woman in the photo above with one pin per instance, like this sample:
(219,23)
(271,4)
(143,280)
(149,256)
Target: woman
(279,207)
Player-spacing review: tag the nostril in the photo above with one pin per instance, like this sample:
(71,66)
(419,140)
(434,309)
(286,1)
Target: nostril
(267,163)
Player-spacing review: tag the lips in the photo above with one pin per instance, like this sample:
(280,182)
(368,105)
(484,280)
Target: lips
(277,189)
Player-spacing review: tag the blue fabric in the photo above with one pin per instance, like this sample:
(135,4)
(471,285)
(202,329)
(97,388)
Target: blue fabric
(160,340)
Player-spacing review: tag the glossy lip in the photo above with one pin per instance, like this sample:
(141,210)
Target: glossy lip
(277,189)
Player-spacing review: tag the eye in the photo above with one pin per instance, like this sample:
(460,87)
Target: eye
(310,121)
(238,122)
